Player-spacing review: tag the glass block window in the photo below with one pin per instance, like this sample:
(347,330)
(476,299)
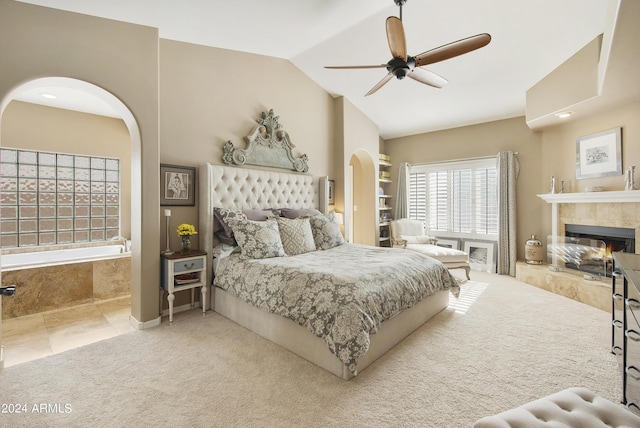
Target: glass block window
(54,198)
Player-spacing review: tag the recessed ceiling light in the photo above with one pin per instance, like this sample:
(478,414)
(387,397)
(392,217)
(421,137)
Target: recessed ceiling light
(49,96)
(564,114)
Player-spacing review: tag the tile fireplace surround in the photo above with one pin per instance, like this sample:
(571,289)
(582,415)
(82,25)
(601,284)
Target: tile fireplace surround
(614,209)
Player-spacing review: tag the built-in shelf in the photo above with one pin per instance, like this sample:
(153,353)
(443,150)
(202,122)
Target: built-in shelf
(384,199)
(592,197)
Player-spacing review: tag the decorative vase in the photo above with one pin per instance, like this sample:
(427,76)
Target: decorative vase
(533,251)
(186,243)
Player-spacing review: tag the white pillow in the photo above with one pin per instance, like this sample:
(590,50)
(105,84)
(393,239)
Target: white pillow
(296,235)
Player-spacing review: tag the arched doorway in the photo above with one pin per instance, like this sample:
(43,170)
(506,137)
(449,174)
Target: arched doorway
(123,113)
(363,208)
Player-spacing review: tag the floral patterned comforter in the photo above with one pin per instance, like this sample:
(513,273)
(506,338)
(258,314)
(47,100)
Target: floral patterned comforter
(342,294)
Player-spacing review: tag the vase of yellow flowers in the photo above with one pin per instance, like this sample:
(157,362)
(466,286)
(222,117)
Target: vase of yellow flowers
(185,231)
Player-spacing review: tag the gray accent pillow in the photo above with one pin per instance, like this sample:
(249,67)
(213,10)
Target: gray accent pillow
(296,235)
(295,213)
(326,231)
(257,239)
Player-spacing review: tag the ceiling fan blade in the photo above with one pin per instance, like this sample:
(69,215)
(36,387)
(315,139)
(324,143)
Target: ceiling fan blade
(396,39)
(354,66)
(380,84)
(453,49)
(428,77)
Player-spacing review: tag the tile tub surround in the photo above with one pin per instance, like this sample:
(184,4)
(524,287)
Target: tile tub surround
(53,287)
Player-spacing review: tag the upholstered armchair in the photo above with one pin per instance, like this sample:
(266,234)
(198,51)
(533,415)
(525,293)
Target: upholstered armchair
(409,235)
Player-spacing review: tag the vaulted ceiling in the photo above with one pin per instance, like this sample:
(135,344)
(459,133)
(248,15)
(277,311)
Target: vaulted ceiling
(529,40)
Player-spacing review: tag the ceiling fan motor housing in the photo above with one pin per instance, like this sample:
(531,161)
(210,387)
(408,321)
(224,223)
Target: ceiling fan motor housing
(400,68)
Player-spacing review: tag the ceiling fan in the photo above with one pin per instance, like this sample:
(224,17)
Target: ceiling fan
(402,65)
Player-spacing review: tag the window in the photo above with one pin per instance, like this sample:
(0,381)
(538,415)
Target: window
(54,198)
(456,199)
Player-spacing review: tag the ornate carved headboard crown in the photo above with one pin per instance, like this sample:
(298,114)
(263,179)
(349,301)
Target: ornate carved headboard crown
(267,145)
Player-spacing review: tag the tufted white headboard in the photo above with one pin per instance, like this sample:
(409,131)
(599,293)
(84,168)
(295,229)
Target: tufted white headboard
(224,186)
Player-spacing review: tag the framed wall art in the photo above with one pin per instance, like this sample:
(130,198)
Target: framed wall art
(481,255)
(332,189)
(448,243)
(599,155)
(177,185)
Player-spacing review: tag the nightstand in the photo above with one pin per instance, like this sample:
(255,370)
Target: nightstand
(184,271)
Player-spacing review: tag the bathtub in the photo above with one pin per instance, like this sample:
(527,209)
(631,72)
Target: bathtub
(24,260)
(54,279)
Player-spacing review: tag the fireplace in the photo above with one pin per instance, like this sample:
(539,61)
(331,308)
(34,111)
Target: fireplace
(600,242)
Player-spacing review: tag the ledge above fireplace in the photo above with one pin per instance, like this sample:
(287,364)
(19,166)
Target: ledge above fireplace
(592,197)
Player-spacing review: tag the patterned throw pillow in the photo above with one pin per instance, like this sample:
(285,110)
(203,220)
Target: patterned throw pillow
(296,235)
(257,239)
(224,215)
(326,231)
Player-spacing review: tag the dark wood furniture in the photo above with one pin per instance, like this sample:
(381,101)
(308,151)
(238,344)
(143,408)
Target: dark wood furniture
(626,325)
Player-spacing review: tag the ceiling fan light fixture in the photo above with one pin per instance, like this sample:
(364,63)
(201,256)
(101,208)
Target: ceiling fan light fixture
(48,96)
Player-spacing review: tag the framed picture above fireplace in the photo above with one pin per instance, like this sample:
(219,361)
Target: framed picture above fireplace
(599,155)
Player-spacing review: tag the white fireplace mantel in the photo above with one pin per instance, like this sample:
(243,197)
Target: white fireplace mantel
(555,199)
(592,197)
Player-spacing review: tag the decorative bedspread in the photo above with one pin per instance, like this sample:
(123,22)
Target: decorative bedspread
(342,294)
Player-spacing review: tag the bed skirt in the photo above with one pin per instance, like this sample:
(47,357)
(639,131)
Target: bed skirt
(297,339)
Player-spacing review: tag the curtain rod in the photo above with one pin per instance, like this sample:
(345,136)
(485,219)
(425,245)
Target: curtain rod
(458,160)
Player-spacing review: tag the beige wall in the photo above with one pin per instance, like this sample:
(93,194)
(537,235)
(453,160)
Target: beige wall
(542,154)
(559,148)
(359,142)
(559,152)
(122,59)
(481,140)
(205,96)
(36,127)
(210,95)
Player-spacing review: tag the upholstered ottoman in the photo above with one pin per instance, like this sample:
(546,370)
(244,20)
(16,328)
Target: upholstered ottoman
(573,407)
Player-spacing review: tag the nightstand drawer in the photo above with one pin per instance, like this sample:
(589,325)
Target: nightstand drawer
(187,265)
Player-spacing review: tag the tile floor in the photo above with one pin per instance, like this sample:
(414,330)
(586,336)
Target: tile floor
(40,335)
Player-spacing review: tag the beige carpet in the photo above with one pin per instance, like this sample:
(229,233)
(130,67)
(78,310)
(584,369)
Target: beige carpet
(503,344)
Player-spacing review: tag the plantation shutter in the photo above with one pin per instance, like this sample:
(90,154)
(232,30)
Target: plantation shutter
(457,198)
(418,196)
(461,203)
(438,200)
(486,203)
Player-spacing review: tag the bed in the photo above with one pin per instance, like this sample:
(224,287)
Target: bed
(259,293)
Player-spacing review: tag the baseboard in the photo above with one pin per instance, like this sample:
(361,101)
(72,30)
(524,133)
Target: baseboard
(143,325)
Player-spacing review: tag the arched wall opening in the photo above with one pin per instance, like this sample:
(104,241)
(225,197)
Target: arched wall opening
(363,209)
(123,112)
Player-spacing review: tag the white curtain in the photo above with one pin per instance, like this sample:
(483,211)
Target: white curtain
(508,168)
(402,199)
